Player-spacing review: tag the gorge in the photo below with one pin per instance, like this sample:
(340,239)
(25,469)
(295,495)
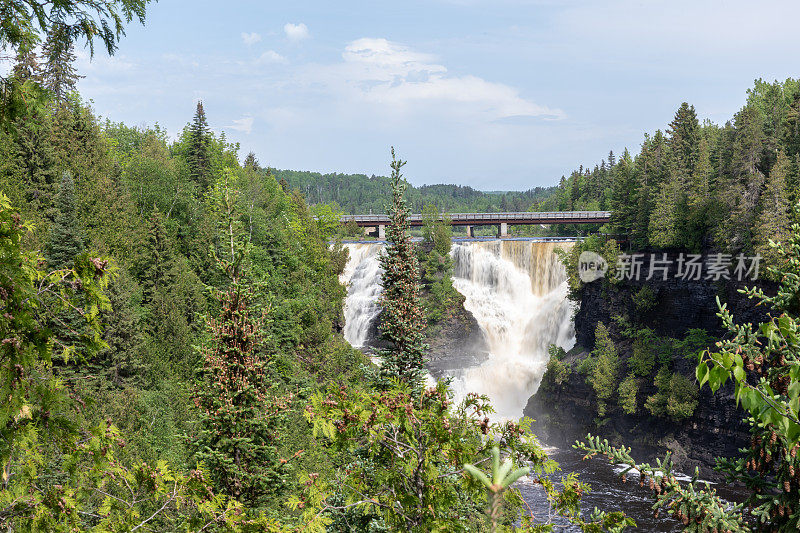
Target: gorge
(516,291)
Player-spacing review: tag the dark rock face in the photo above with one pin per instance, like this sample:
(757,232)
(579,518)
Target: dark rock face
(567,412)
(454,343)
(457,343)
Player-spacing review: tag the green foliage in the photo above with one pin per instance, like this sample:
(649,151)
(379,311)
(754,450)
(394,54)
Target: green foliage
(697,506)
(605,373)
(65,241)
(643,356)
(360,194)
(557,372)
(676,397)
(700,184)
(406,449)
(628,390)
(607,248)
(403,320)
(762,363)
(644,299)
(439,296)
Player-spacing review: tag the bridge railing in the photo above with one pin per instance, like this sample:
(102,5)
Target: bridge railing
(490,218)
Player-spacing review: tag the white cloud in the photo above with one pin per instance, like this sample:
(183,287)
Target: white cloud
(296,32)
(244,124)
(251,38)
(393,75)
(271,56)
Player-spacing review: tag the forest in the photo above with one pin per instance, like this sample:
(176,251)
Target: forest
(360,194)
(172,358)
(700,186)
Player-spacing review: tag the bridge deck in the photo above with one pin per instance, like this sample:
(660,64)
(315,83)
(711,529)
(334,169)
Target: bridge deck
(478,219)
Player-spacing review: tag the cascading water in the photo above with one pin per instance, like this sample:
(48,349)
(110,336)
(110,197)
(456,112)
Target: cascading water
(517,292)
(362,277)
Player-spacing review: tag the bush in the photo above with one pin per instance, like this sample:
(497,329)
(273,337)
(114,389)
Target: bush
(628,390)
(676,397)
(557,372)
(643,358)
(603,378)
(644,299)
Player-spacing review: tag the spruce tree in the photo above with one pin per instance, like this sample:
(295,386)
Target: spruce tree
(251,163)
(402,319)
(684,138)
(59,73)
(198,155)
(772,222)
(66,240)
(26,65)
(240,414)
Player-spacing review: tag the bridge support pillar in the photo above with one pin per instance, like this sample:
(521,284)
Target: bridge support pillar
(470,232)
(503,230)
(382,231)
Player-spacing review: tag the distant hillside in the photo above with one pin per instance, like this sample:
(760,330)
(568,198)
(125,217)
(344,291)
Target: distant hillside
(361,194)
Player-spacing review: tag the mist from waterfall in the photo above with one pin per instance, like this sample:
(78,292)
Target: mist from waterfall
(362,277)
(517,292)
(515,289)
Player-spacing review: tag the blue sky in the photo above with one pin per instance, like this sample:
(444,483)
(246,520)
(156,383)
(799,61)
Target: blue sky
(500,94)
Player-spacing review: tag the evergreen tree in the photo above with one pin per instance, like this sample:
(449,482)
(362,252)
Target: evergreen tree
(251,163)
(240,416)
(199,155)
(604,376)
(402,319)
(773,222)
(59,73)
(26,65)
(623,195)
(684,138)
(66,240)
(156,266)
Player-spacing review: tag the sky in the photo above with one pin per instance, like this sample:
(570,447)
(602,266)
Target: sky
(495,94)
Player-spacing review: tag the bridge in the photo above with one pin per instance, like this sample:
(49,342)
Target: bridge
(501,220)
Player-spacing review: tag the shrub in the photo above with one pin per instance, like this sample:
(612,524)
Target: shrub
(557,372)
(644,299)
(628,390)
(643,358)
(676,397)
(604,375)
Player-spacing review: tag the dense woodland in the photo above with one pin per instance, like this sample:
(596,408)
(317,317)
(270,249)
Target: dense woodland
(171,356)
(360,194)
(700,186)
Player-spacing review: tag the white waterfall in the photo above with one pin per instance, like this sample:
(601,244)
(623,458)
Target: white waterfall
(362,277)
(517,292)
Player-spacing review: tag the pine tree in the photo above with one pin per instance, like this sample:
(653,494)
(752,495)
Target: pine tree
(773,222)
(66,240)
(59,73)
(402,319)
(198,155)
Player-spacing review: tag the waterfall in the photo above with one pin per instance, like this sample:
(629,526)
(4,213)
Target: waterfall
(515,289)
(362,277)
(517,292)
